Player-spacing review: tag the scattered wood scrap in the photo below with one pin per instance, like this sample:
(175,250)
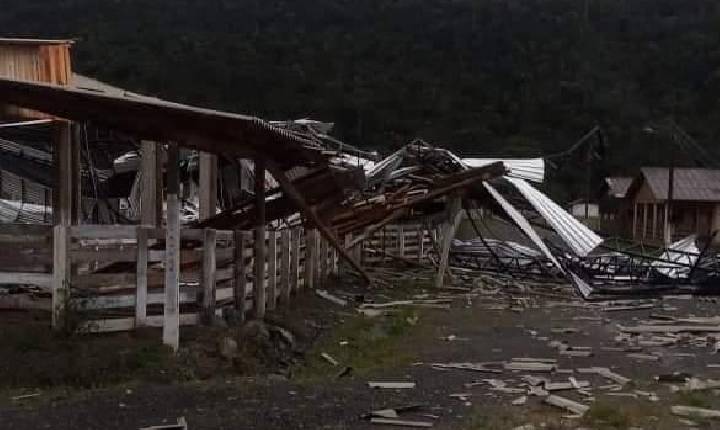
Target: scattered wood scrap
(401,423)
(663,328)
(181,425)
(567,404)
(391,385)
(331,297)
(694,412)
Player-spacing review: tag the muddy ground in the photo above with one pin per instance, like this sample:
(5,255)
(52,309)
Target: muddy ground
(298,389)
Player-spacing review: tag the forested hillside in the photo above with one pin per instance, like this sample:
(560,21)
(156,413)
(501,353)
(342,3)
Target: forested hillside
(495,77)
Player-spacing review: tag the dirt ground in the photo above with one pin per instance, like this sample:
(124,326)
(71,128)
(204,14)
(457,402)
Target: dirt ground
(302,390)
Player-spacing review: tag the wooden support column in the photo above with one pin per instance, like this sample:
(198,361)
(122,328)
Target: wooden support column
(160,156)
(208,275)
(240,276)
(259,272)
(63,190)
(635,220)
(454,218)
(285,274)
(272,269)
(295,259)
(171,312)
(310,258)
(654,221)
(148,174)
(667,234)
(323,262)
(141,277)
(76,171)
(421,242)
(61,274)
(645,220)
(401,241)
(208,185)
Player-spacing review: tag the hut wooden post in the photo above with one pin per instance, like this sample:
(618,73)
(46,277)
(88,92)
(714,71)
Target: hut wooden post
(63,192)
(259,272)
(148,172)
(240,275)
(295,260)
(61,273)
(635,220)
(171,315)
(285,275)
(645,220)
(310,257)
(323,262)
(272,269)
(454,217)
(208,185)
(401,240)
(654,221)
(208,275)
(141,277)
(421,242)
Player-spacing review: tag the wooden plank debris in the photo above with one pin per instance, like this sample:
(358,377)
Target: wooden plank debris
(605,373)
(567,404)
(670,329)
(694,412)
(391,385)
(331,297)
(401,423)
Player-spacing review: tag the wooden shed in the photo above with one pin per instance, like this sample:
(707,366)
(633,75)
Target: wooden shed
(35,60)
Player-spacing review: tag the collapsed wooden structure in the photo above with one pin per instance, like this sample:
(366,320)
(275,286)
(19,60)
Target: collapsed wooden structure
(247,258)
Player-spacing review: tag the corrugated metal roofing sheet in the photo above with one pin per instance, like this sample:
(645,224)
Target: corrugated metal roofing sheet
(694,184)
(531,169)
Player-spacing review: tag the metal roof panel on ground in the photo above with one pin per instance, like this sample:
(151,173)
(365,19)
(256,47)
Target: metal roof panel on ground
(691,184)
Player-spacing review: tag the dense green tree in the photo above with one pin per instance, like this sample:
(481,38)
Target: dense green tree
(494,77)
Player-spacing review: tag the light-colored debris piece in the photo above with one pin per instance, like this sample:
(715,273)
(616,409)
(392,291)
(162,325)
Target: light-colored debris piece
(392,385)
(576,354)
(567,404)
(694,412)
(384,413)
(453,338)
(564,330)
(561,386)
(461,396)
(331,297)
(24,397)
(537,391)
(529,366)
(534,360)
(520,401)
(610,387)
(605,373)
(525,427)
(476,367)
(648,395)
(687,422)
(659,328)
(401,423)
(696,384)
(181,425)
(632,395)
(329,358)
(644,357)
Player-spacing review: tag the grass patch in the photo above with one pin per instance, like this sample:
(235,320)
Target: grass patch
(372,343)
(698,399)
(501,418)
(606,415)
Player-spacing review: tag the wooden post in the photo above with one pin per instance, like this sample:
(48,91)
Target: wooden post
(645,220)
(160,155)
(654,221)
(208,185)
(421,242)
(635,219)
(667,235)
(141,277)
(76,172)
(310,257)
(61,274)
(63,191)
(401,240)
(259,272)
(208,275)
(295,259)
(240,275)
(454,218)
(272,269)
(285,257)
(148,172)
(171,312)
(323,262)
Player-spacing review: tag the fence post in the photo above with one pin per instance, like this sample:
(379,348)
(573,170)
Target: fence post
(272,269)
(171,311)
(295,261)
(61,273)
(141,277)
(208,275)
(285,284)
(240,284)
(323,263)
(310,258)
